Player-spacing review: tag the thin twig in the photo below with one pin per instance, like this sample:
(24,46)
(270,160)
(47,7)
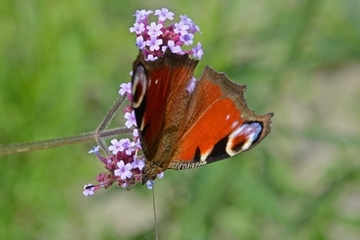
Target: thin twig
(63,141)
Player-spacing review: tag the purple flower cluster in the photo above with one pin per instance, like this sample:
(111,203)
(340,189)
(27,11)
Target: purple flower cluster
(123,165)
(153,38)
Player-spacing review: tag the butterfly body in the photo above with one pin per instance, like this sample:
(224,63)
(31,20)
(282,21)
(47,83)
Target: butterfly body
(184,124)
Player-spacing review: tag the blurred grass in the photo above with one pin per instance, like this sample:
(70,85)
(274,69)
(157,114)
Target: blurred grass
(60,67)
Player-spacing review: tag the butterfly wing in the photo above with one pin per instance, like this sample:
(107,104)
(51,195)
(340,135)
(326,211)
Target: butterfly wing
(218,123)
(160,97)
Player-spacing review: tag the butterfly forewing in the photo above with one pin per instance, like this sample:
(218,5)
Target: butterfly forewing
(164,82)
(161,97)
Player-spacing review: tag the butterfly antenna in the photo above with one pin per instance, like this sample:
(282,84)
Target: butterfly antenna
(155,218)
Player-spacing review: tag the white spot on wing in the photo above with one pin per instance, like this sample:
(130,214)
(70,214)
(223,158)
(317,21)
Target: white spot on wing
(204,156)
(156,81)
(235,124)
(227,117)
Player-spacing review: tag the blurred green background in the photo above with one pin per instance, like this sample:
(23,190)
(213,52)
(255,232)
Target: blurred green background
(61,63)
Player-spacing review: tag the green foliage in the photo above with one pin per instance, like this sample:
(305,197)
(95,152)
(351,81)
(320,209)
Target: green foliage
(61,63)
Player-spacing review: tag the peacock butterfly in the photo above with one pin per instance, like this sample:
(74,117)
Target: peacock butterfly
(185,124)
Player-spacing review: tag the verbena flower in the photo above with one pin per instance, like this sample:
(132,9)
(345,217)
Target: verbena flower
(124,165)
(154,37)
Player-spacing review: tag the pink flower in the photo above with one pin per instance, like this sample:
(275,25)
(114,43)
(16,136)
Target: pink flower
(125,88)
(187,39)
(151,57)
(116,146)
(164,14)
(130,119)
(124,170)
(191,85)
(154,29)
(88,190)
(138,28)
(181,28)
(140,43)
(154,43)
(140,164)
(142,14)
(197,51)
(174,48)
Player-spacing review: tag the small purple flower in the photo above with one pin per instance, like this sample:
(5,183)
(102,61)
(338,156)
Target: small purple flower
(193,28)
(151,57)
(140,43)
(95,150)
(138,144)
(88,190)
(138,28)
(136,133)
(181,28)
(197,51)
(192,84)
(124,170)
(142,14)
(130,148)
(116,146)
(154,29)
(164,14)
(140,164)
(154,43)
(160,175)
(174,48)
(125,143)
(187,39)
(125,88)
(130,119)
(150,184)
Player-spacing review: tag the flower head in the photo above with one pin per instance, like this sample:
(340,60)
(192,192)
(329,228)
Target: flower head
(154,38)
(124,167)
